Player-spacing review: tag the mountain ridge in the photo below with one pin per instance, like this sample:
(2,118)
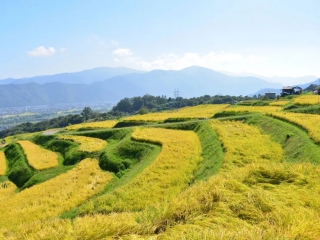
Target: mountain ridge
(190,82)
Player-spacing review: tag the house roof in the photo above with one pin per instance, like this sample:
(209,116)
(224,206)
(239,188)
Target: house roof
(287,87)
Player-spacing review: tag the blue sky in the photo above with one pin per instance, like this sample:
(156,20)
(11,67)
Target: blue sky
(269,38)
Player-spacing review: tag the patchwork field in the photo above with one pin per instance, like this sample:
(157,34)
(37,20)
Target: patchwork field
(310,122)
(256,176)
(307,100)
(262,109)
(87,144)
(37,157)
(93,125)
(3,164)
(201,111)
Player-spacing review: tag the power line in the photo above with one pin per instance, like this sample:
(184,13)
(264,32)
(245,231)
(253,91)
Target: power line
(176,93)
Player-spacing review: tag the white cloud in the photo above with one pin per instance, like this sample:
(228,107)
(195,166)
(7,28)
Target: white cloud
(42,52)
(226,61)
(122,52)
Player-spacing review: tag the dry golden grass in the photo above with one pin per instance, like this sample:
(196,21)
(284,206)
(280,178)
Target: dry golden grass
(279,103)
(245,144)
(310,122)
(260,109)
(307,100)
(200,111)
(103,124)
(258,201)
(259,198)
(37,157)
(87,144)
(55,196)
(7,190)
(3,163)
(169,173)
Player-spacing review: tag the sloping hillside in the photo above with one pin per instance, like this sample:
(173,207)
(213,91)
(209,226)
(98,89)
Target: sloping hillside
(244,176)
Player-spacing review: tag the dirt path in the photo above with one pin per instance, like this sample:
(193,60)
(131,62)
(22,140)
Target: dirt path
(50,132)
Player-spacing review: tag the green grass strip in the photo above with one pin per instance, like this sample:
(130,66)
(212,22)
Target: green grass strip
(296,143)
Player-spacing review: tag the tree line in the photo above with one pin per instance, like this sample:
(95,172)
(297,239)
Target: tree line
(126,106)
(159,103)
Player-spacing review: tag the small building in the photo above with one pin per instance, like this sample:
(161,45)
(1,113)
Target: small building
(270,95)
(288,90)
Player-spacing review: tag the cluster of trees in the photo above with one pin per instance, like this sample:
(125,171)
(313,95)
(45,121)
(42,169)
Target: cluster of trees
(125,106)
(158,103)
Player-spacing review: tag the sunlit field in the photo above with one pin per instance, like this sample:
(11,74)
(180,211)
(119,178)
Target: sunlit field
(279,103)
(55,196)
(3,164)
(169,174)
(93,125)
(310,122)
(307,100)
(87,144)
(200,111)
(260,109)
(39,158)
(254,195)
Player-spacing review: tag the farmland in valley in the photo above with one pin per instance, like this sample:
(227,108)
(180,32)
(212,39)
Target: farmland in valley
(251,173)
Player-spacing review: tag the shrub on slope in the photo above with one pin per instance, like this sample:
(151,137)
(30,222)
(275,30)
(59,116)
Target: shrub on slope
(19,172)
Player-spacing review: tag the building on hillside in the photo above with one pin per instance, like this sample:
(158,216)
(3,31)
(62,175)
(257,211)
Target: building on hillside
(288,90)
(270,95)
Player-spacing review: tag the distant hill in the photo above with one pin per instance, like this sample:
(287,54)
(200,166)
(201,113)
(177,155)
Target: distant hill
(291,81)
(191,82)
(84,77)
(278,90)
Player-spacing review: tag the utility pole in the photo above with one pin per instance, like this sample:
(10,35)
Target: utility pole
(176,93)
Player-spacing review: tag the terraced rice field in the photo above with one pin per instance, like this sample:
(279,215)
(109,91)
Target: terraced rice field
(39,158)
(310,122)
(3,163)
(169,174)
(259,109)
(55,196)
(93,125)
(87,144)
(279,103)
(260,191)
(236,136)
(201,111)
(307,100)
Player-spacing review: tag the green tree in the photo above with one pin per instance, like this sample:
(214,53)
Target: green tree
(143,110)
(87,113)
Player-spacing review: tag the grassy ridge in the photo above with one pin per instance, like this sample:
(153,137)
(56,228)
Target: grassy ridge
(37,157)
(212,151)
(268,187)
(296,143)
(174,166)
(67,149)
(19,172)
(122,156)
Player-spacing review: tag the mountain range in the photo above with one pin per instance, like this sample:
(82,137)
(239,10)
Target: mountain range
(113,84)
